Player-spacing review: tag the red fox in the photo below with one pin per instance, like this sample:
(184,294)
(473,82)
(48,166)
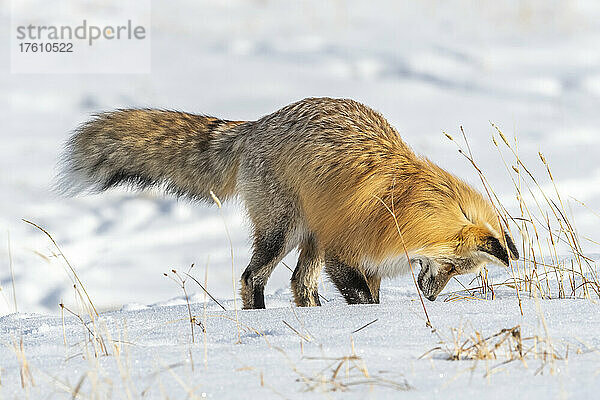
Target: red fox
(328,176)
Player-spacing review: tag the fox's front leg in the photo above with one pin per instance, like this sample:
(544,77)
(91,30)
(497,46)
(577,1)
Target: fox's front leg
(352,283)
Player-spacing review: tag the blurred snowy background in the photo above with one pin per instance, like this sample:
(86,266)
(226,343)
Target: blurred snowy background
(530,66)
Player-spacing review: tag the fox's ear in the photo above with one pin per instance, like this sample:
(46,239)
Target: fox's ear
(473,237)
(495,247)
(514,253)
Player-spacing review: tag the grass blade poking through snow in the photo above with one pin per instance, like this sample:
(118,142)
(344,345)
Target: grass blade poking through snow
(75,277)
(237,322)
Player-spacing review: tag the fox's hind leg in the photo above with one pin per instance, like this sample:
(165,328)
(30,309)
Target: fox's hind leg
(274,211)
(352,283)
(274,215)
(269,249)
(306,275)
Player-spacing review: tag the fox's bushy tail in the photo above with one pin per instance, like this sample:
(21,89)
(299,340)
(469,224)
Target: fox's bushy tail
(184,154)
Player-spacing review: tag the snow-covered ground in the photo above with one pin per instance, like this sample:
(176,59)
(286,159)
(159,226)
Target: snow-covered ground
(152,354)
(532,67)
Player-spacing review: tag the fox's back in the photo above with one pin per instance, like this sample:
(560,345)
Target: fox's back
(328,126)
(324,141)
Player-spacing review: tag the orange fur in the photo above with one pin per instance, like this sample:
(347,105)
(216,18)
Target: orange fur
(342,192)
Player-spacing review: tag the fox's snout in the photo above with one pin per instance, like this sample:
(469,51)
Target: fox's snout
(432,278)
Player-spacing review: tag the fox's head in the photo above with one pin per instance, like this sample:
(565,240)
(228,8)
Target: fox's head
(462,234)
(475,247)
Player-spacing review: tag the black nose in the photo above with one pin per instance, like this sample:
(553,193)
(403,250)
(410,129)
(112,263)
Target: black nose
(432,297)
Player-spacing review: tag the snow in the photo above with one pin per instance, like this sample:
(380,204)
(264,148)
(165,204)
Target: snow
(531,67)
(157,357)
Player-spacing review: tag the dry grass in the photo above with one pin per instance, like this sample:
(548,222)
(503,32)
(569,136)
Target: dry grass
(505,346)
(97,343)
(546,230)
(344,373)
(181,281)
(77,284)
(233,275)
(24,370)
(12,274)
